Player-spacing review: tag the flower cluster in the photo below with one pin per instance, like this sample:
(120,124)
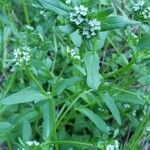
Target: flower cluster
(138,6)
(114,146)
(68,1)
(32,143)
(21,56)
(146,13)
(88,27)
(78,14)
(91,29)
(74,52)
(142,10)
(44,14)
(30,28)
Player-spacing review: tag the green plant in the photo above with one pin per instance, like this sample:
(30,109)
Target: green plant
(74,75)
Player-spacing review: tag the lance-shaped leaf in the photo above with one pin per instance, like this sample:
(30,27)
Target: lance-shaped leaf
(55,6)
(115,22)
(92,68)
(112,107)
(24,96)
(97,120)
(76,38)
(144,42)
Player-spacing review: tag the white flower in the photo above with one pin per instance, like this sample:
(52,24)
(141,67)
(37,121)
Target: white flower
(95,25)
(29,27)
(138,6)
(82,10)
(68,1)
(30,143)
(146,13)
(21,55)
(110,147)
(77,19)
(126,105)
(134,113)
(74,52)
(92,28)
(148,129)
(78,14)
(114,146)
(44,14)
(86,32)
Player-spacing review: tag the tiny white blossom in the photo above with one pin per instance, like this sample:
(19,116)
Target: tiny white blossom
(78,14)
(134,113)
(126,105)
(114,146)
(74,52)
(21,55)
(95,25)
(82,10)
(77,19)
(44,14)
(146,13)
(29,27)
(68,1)
(92,28)
(148,129)
(138,6)
(110,147)
(30,143)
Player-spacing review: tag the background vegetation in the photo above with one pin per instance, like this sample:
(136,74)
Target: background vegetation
(65,87)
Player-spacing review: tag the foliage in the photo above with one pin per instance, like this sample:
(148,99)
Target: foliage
(74,74)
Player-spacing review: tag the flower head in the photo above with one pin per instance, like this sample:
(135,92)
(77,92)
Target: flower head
(68,1)
(74,52)
(114,146)
(78,14)
(21,56)
(82,10)
(92,28)
(32,143)
(138,6)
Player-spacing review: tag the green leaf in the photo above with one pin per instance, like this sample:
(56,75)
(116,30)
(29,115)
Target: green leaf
(81,69)
(112,107)
(5,19)
(104,13)
(55,6)
(128,98)
(26,129)
(65,83)
(92,68)
(66,29)
(24,96)
(97,120)
(115,22)
(144,42)
(76,38)
(5,127)
(47,126)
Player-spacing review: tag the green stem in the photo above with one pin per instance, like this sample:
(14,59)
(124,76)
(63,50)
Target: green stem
(26,12)
(55,49)
(52,104)
(52,115)
(36,82)
(70,106)
(9,144)
(9,85)
(73,143)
